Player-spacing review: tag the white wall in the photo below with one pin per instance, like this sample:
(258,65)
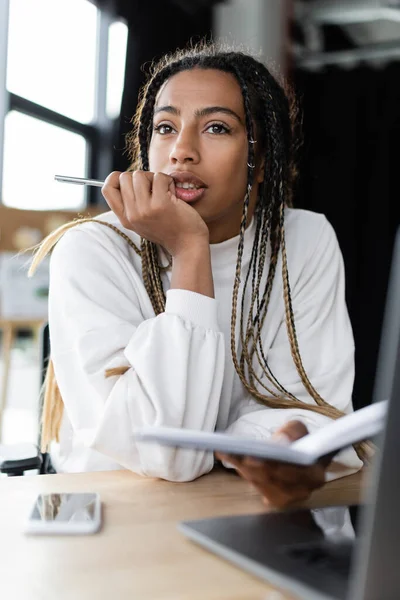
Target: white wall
(260,25)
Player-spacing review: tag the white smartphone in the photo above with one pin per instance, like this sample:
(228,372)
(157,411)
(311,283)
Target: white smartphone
(65,514)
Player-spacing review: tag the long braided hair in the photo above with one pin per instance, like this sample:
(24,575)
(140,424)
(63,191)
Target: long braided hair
(269,113)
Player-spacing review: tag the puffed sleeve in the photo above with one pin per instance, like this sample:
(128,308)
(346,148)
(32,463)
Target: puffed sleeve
(175,360)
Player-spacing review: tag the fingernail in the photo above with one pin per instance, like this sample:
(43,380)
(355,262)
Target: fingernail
(282,439)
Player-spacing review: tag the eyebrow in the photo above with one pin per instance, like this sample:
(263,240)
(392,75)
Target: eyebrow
(200,112)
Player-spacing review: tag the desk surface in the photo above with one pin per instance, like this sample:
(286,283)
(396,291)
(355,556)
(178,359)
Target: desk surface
(139,554)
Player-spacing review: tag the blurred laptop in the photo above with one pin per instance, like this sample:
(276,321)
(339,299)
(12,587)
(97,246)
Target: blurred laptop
(296,550)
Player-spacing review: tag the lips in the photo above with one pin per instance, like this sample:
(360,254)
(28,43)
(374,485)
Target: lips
(187,177)
(188,187)
(190,195)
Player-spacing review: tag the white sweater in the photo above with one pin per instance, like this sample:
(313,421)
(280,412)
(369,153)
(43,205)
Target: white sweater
(181,371)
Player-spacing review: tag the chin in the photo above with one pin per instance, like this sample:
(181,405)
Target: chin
(205,215)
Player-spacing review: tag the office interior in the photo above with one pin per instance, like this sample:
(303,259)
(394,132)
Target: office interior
(70,74)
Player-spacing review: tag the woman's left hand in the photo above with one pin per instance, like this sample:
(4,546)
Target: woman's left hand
(281,484)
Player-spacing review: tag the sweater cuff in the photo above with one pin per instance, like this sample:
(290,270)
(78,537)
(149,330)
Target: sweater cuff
(198,309)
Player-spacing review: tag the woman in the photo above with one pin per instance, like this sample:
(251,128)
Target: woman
(201,300)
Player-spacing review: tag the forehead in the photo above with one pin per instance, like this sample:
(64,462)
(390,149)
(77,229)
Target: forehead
(202,87)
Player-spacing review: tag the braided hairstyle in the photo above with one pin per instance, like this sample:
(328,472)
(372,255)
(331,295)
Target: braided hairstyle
(273,111)
(270,114)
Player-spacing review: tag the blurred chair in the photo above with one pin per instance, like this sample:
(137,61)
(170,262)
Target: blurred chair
(15,459)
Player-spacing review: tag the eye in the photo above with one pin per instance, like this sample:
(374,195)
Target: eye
(218,129)
(163,129)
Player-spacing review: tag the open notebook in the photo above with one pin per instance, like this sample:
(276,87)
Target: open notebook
(360,425)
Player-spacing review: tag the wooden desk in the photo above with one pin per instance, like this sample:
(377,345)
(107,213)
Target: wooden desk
(139,554)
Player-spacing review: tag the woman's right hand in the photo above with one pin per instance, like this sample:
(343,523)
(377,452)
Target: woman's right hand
(146,203)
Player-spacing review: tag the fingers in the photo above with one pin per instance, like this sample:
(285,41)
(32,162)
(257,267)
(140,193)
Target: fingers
(112,194)
(163,185)
(146,203)
(119,195)
(151,192)
(280,484)
(275,491)
(291,476)
(128,194)
(128,197)
(293,430)
(131,194)
(142,185)
(279,498)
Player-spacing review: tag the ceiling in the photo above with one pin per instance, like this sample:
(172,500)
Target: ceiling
(361,22)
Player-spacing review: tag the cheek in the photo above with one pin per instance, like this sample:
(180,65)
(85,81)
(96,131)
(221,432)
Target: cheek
(231,167)
(158,155)
(236,171)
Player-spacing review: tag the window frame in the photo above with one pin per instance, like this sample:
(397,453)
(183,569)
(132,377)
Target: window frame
(98,134)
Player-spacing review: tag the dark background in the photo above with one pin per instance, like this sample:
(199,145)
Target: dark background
(349,164)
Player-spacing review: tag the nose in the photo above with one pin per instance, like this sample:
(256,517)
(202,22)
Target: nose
(185,149)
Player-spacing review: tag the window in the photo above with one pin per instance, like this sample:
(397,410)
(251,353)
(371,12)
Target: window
(33,152)
(63,75)
(52,55)
(117,39)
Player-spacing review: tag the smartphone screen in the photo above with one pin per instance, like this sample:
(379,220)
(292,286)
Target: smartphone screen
(65,513)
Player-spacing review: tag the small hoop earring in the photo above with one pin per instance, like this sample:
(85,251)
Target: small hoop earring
(251,166)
